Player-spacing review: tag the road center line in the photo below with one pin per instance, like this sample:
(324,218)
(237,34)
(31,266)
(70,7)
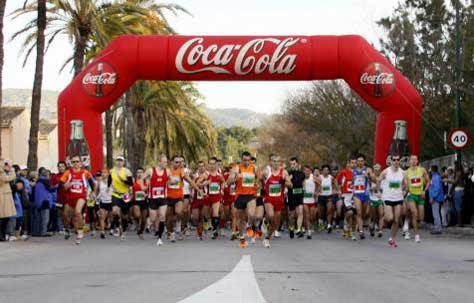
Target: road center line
(238,286)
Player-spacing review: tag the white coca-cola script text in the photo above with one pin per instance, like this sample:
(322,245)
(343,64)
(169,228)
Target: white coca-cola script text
(216,58)
(103,78)
(382,78)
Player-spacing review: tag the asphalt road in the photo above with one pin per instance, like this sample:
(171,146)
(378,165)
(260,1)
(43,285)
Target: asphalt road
(325,269)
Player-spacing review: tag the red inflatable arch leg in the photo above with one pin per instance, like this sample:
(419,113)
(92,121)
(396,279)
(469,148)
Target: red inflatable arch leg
(194,58)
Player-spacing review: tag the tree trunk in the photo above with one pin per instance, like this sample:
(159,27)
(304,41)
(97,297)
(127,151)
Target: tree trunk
(2,13)
(167,141)
(79,50)
(129,130)
(37,84)
(109,138)
(139,138)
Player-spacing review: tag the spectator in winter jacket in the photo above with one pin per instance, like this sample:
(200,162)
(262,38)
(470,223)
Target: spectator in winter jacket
(7,205)
(42,203)
(436,195)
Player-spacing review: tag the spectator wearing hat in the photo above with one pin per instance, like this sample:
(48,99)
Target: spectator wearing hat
(436,195)
(42,203)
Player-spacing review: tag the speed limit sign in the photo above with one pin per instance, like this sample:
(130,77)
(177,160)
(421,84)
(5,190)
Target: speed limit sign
(458,138)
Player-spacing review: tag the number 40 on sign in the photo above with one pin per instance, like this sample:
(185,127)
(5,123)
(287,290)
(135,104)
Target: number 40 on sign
(458,138)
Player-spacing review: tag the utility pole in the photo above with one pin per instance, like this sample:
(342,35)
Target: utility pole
(457,73)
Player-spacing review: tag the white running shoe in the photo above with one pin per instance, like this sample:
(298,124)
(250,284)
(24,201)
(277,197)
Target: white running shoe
(407,236)
(159,242)
(252,240)
(276,234)
(116,232)
(123,237)
(172,237)
(93,233)
(353,238)
(417,239)
(180,237)
(24,237)
(405,226)
(178,226)
(12,239)
(266,243)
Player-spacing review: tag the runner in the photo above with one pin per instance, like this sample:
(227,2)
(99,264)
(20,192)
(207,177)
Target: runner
(140,203)
(197,214)
(310,207)
(61,196)
(186,200)
(245,177)
(361,193)
(295,198)
(229,213)
(213,182)
(260,210)
(274,196)
(418,182)
(121,181)
(157,179)
(175,197)
(104,197)
(74,181)
(91,205)
(327,186)
(376,203)
(345,178)
(393,187)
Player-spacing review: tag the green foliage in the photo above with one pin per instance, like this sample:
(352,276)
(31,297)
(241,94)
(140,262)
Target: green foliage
(232,141)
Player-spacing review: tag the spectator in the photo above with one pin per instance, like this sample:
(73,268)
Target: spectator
(42,203)
(436,195)
(25,223)
(15,222)
(458,184)
(448,188)
(7,206)
(23,175)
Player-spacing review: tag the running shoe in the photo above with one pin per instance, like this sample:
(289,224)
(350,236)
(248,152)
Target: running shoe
(180,236)
(266,243)
(380,234)
(102,235)
(243,243)
(233,237)
(299,234)
(123,237)
(276,234)
(361,235)
(407,236)
(172,237)
(215,234)
(392,243)
(12,239)
(24,237)
(292,233)
(258,234)
(156,234)
(159,242)
(93,233)
(252,240)
(141,237)
(372,231)
(116,232)
(417,239)
(329,228)
(353,238)
(78,241)
(250,232)
(67,235)
(309,237)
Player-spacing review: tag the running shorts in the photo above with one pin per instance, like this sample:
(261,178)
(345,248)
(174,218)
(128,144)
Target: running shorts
(157,203)
(142,204)
(242,201)
(376,203)
(294,201)
(364,198)
(124,207)
(416,198)
(105,206)
(173,202)
(326,199)
(393,203)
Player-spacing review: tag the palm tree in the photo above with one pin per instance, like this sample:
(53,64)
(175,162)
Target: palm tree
(2,13)
(32,161)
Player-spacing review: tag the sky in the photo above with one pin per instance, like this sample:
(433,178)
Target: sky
(221,17)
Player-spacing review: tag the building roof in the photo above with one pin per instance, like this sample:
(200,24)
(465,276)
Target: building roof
(45,128)
(8,113)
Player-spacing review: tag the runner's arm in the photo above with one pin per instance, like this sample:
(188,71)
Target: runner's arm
(426,178)
(191,182)
(288,182)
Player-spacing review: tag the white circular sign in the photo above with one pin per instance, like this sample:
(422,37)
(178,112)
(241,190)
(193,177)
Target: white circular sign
(458,139)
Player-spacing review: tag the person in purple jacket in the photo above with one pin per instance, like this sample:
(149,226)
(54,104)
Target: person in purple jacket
(436,195)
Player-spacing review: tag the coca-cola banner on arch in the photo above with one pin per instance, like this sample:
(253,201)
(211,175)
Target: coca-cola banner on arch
(377,80)
(100,79)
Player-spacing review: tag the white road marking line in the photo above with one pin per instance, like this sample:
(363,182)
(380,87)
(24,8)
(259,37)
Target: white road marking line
(239,286)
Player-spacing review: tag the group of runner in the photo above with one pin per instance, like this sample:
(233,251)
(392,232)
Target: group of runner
(251,198)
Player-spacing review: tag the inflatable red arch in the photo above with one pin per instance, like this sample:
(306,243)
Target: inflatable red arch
(130,58)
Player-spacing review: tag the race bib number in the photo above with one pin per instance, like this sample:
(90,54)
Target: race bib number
(248,180)
(157,193)
(77,187)
(126,197)
(232,190)
(199,195)
(297,191)
(415,182)
(214,188)
(394,184)
(174,183)
(140,196)
(359,188)
(308,195)
(274,190)
(348,201)
(326,190)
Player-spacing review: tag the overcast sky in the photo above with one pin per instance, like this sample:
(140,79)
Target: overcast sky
(218,17)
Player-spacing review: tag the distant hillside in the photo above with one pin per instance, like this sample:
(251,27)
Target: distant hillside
(220,117)
(22,97)
(227,117)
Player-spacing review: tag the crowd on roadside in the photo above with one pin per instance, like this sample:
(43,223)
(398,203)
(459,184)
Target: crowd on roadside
(28,201)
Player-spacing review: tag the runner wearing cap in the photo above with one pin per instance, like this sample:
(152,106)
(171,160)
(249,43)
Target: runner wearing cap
(121,182)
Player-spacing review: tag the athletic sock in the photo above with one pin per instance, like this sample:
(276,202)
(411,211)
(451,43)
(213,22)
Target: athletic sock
(215,223)
(124,225)
(161,229)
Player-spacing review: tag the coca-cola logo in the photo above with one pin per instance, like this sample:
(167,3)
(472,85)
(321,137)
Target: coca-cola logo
(377,80)
(252,57)
(100,80)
